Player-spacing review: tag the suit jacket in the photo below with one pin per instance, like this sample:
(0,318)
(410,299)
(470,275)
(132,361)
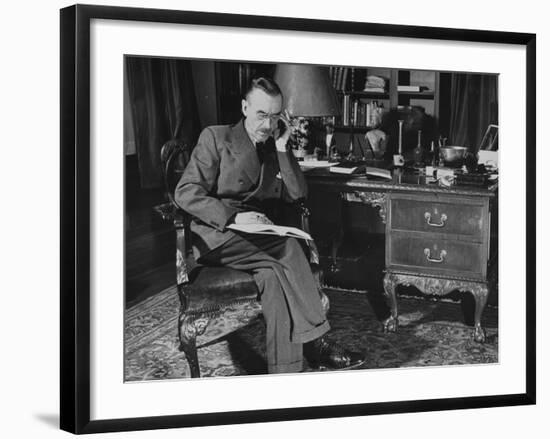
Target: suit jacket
(224,176)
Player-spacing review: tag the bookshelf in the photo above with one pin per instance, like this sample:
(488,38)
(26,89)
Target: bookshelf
(352,85)
(403,90)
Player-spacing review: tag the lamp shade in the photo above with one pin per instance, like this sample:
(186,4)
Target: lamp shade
(307,90)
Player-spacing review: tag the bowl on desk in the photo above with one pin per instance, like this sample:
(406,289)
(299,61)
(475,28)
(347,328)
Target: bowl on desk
(453,155)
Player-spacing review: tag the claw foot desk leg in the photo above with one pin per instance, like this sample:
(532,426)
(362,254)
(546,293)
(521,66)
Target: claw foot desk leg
(480,293)
(390,284)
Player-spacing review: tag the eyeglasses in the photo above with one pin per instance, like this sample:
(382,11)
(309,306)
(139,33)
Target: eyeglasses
(272,117)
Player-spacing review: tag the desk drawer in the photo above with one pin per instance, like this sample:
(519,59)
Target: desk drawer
(439,217)
(436,255)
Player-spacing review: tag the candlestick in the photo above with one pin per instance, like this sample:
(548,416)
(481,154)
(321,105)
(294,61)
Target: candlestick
(400,147)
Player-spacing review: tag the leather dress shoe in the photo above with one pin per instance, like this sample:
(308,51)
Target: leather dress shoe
(320,353)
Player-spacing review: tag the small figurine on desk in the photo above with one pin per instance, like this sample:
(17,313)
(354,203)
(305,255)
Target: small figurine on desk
(335,155)
(376,140)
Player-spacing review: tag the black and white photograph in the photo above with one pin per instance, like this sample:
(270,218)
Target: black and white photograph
(300,218)
(278,218)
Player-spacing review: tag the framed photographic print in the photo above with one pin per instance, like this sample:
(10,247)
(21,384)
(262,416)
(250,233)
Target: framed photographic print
(322,228)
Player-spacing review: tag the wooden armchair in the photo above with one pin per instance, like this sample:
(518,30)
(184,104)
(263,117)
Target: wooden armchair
(208,295)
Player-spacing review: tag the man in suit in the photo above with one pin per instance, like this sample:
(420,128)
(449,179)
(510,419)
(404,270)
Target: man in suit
(234,174)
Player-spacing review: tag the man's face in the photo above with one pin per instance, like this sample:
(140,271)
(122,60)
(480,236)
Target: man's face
(262,113)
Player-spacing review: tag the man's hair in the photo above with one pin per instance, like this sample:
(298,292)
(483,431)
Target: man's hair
(267,85)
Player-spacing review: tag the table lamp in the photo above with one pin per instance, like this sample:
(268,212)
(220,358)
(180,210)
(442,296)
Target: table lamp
(308,93)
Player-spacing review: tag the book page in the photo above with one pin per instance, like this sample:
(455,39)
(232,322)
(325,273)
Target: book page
(270,229)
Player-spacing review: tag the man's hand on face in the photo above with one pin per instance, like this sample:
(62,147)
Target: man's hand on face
(252,218)
(281,139)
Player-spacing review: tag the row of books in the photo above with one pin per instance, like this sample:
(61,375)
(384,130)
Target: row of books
(359,112)
(339,76)
(400,88)
(343,78)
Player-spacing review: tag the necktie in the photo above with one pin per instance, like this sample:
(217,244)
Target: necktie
(260,150)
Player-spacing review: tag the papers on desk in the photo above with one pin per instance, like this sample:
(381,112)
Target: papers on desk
(311,164)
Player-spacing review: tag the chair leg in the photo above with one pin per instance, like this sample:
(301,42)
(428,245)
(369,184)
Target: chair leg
(188,343)
(319,280)
(325,301)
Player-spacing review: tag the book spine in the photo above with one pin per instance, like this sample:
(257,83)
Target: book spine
(345,111)
(344,78)
(368,115)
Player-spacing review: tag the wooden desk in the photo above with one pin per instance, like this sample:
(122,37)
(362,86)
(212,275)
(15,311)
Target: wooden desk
(437,239)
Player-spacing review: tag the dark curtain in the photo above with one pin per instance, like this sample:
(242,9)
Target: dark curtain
(474,105)
(163,107)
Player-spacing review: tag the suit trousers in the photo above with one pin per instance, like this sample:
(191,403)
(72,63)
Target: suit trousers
(289,295)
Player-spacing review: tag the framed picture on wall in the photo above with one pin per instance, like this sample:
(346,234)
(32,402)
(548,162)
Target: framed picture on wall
(417,287)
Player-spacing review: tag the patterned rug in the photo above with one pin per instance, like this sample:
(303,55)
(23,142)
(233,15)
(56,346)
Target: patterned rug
(431,333)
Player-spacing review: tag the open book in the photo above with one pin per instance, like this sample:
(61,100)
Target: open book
(379,172)
(270,229)
(348,168)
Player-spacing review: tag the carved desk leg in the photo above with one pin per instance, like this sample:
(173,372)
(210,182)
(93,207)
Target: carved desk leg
(480,293)
(390,284)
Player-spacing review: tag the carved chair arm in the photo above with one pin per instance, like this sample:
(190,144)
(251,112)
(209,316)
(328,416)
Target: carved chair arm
(181,224)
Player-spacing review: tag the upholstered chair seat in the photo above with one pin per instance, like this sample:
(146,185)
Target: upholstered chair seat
(211,289)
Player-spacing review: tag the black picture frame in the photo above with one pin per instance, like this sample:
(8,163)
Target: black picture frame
(75,217)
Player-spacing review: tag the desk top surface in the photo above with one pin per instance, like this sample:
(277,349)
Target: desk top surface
(402,181)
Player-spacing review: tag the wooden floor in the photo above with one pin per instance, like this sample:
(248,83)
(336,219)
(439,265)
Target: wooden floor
(150,242)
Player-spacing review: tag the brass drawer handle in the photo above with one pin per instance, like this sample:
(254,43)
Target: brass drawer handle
(428,217)
(428,254)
